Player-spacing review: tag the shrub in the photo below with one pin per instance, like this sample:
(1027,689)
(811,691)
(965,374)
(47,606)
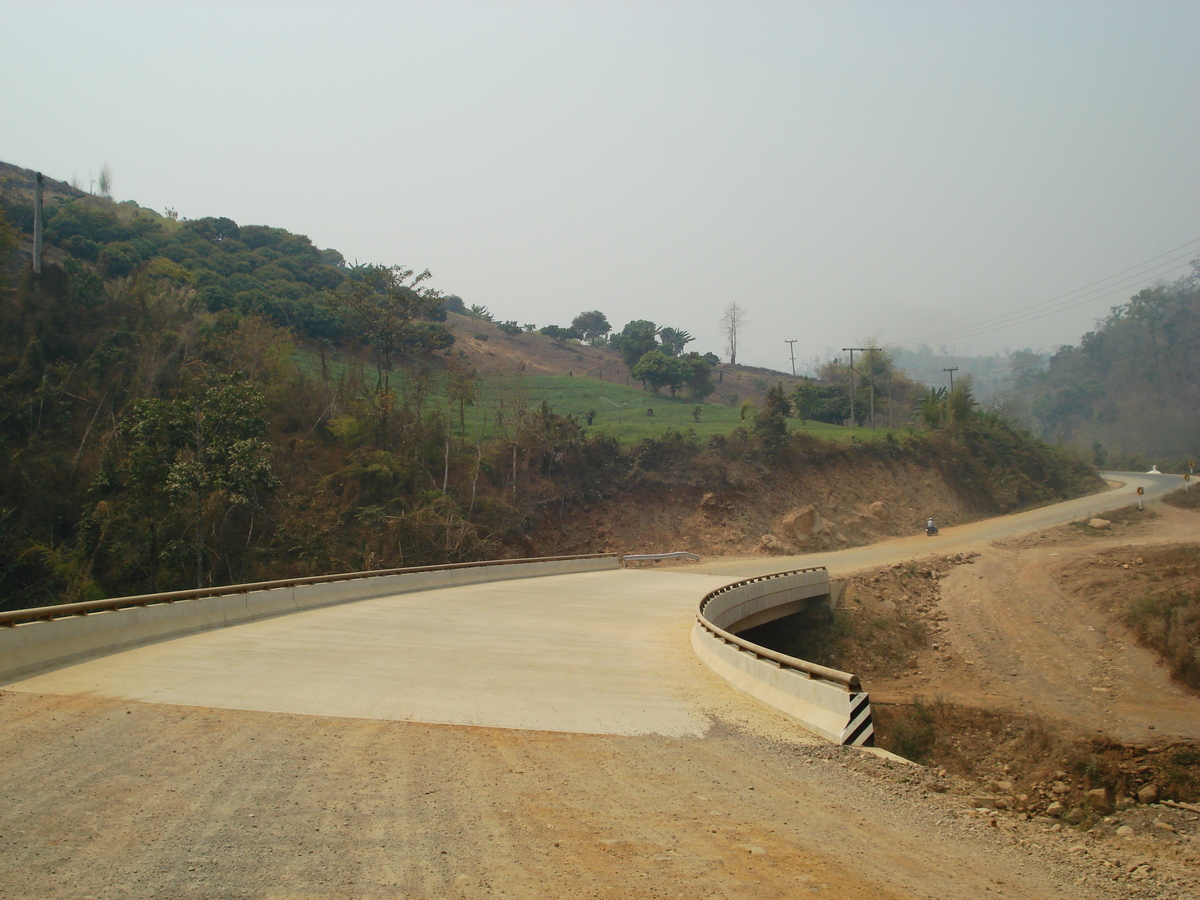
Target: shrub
(1170,624)
(118,260)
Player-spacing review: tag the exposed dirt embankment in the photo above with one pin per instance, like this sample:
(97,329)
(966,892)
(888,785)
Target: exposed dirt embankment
(838,505)
(1040,678)
(715,507)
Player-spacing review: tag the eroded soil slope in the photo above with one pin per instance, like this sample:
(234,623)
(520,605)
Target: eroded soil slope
(1011,669)
(854,503)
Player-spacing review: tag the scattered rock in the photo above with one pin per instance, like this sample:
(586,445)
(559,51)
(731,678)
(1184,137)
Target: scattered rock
(1099,524)
(1148,793)
(772,544)
(1075,815)
(1055,809)
(1125,831)
(1098,800)
(803,524)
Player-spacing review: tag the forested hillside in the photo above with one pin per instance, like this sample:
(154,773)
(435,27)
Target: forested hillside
(1130,391)
(200,402)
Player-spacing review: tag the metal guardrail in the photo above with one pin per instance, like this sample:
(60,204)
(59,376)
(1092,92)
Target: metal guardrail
(62,610)
(812,670)
(655,557)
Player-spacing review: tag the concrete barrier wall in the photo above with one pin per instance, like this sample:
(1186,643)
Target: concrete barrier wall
(831,710)
(757,602)
(37,646)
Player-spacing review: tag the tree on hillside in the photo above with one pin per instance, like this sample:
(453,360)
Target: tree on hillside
(733,320)
(940,408)
(804,400)
(635,340)
(462,387)
(1132,384)
(199,459)
(392,306)
(106,180)
(770,422)
(559,334)
(592,326)
(697,374)
(673,340)
(657,370)
(931,408)
(8,247)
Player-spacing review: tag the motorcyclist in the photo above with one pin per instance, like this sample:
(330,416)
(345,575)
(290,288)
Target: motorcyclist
(930,527)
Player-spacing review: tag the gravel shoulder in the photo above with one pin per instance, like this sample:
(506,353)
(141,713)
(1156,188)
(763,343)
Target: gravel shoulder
(105,799)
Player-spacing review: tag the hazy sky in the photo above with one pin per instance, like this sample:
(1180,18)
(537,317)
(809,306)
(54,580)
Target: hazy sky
(900,171)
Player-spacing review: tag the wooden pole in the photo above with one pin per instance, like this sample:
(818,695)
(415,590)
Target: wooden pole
(37,224)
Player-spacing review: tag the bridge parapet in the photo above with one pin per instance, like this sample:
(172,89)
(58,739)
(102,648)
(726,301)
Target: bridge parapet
(51,636)
(826,701)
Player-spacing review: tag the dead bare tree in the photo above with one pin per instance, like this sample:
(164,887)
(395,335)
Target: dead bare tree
(732,322)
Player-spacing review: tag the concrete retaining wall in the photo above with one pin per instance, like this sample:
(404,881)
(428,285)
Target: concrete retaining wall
(831,710)
(37,646)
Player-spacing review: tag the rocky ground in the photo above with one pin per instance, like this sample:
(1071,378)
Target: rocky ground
(1011,671)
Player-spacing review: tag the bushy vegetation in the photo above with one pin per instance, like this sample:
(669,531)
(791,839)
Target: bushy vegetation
(200,402)
(1170,623)
(1131,388)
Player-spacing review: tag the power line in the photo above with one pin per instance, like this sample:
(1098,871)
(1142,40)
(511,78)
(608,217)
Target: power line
(1049,307)
(1114,283)
(1010,377)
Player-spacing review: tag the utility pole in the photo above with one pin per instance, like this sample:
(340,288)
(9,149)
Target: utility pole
(792,347)
(872,377)
(851,349)
(951,370)
(37,224)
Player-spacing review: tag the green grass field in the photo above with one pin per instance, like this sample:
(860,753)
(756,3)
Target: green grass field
(627,412)
(631,414)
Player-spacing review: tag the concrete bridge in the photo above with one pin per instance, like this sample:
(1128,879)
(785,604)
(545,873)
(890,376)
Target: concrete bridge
(603,655)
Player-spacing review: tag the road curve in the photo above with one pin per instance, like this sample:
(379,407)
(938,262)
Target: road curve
(278,761)
(514,654)
(956,538)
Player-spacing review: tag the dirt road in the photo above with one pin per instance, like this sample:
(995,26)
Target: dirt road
(106,798)
(1016,631)
(102,799)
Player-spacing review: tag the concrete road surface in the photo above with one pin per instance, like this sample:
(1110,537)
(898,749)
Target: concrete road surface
(601,653)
